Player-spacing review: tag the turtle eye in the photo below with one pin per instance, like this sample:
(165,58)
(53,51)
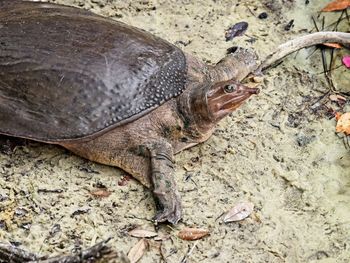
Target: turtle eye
(230,88)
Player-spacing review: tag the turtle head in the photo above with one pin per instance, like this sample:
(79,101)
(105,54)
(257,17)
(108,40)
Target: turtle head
(210,97)
(224,97)
(210,103)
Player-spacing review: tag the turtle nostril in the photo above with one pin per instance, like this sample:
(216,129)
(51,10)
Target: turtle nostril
(254,91)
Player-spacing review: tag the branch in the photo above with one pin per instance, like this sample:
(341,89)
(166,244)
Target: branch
(303,42)
(12,254)
(88,255)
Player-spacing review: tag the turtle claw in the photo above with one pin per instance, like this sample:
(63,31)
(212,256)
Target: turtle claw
(170,208)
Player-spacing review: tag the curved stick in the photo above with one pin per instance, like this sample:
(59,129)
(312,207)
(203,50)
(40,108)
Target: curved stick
(303,42)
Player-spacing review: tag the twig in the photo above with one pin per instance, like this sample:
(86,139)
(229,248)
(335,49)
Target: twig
(322,72)
(12,254)
(339,20)
(190,251)
(346,142)
(328,70)
(325,69)
(303,42)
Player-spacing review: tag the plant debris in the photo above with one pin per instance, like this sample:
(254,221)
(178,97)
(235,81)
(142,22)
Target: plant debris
(332,45)
(236,30)
(239,212)
(100,193)
(336,5)
(192,233)
(343,124)
(80,211)
(137,251)
(142,233)
(290,25)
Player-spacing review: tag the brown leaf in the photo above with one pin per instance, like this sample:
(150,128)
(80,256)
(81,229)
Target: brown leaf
(332,45)
(236,30)
(137,251)
(100,193)
(336,5)
(239,212)
(142,233)
(192,233)
(343,124)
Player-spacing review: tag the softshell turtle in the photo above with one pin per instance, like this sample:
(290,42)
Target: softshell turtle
(112,93)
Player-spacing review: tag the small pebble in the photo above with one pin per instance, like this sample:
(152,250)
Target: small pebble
(263,15)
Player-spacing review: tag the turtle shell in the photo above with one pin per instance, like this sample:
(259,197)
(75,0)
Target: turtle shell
(68,74)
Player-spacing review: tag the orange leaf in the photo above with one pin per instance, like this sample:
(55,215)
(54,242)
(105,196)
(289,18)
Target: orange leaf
(343,124)
(332,45)
(337,115)
(100,193)
(192,233)
(336,5)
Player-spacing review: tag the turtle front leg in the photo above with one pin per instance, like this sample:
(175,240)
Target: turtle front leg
(164,187)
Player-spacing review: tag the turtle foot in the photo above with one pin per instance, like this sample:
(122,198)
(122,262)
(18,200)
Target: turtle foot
(170,208)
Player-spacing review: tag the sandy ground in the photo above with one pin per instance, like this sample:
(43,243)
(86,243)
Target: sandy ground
(279,151)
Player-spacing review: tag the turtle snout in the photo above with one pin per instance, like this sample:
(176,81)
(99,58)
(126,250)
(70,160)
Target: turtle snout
(253,90)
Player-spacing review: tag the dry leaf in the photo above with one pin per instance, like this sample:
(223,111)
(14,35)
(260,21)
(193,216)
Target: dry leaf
(343,124)
(335,97)
(137,251)
(337,115)
(192,233)
(142,233)
(236,30)
(336,5)
(100,193)
(239,212)
(332,45)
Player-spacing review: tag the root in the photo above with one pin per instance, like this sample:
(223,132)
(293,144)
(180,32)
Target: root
(302,42)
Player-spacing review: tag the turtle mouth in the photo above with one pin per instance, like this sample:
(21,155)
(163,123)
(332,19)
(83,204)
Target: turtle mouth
(220,104)
(236,100)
